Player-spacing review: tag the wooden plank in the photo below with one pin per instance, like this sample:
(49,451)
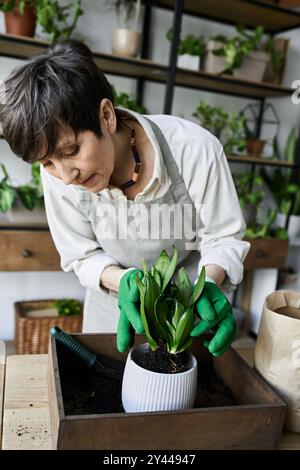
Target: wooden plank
(26,420)
(27,250)
(2,382)
(20,47)
(259,161)
(251,13)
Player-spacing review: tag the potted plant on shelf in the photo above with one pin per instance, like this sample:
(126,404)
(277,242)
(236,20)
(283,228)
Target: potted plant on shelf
(127,40)
(249,188)
(254,145)
(240,55)
(190,51)
(124,100)
(13,199)
(266,228)
(234,134)
(21,17)
(213,118)
(162,374)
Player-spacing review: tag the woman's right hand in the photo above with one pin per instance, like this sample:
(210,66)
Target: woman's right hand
(130,319)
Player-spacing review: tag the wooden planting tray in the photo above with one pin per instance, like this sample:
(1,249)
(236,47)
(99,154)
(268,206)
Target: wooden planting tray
(254,423)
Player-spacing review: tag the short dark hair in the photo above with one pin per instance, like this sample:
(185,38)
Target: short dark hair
(59,87)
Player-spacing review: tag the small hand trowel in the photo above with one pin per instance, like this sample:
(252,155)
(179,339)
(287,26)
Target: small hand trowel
(104,365)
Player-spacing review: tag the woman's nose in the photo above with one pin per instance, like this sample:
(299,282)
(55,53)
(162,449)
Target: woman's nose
(66,173)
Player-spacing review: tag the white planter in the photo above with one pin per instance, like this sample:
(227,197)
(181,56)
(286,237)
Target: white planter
(126,42)
(253,66)
(187,61)
(144,390)
(294,224)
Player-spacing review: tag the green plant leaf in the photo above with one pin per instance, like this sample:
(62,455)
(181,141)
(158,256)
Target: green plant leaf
(162,263)
(290,148)
(142,289)
(170,269)
(161,315)
(179,310)
(7,197)
(183,330)
(198,287)
(185,346)
(28,196)
(184,285)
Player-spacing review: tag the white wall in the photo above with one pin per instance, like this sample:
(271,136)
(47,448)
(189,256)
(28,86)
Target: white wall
(95,28)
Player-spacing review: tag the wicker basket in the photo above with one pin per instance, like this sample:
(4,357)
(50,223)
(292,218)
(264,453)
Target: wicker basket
(32,333)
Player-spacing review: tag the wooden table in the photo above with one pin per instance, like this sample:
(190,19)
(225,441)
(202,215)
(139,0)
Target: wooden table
(26,418)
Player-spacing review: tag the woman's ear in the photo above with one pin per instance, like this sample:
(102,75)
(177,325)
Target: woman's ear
(108,118)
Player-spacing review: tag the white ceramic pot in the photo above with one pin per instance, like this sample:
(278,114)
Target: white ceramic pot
(187,61)
(294,224)
(144,390)
(126,42)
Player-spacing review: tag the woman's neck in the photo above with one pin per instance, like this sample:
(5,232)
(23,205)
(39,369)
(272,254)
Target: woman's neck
(124,160)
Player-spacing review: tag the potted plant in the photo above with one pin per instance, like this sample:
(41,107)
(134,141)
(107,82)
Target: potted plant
(190,51)
(250,193)
(266,228)
(162,374)
(124,100)
(13,199)
(254,145)
(234,134)
(239,55)
(21,17)
(213,118)
(127,40)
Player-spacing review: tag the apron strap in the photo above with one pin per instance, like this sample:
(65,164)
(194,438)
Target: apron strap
(170,163)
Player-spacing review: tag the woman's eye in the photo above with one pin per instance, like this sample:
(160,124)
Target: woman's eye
(73,153)
(48,163)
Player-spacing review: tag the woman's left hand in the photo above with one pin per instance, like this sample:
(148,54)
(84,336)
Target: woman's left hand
(130,318)
(215,311)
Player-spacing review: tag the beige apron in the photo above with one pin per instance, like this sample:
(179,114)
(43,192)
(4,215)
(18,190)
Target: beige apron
(101,310)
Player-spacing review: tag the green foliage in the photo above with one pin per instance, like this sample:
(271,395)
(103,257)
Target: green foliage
(168,308)
(234,49)
(129,102)
(235,134)
(53,18)
(30,194)
(265,229)
(190,44)
(277,58)
(212,118)
(67,307)
(7,193)
(249,188)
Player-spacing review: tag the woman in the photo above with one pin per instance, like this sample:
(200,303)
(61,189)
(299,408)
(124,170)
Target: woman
(120,187)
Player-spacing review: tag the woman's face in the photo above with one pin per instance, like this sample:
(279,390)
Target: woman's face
(87,161)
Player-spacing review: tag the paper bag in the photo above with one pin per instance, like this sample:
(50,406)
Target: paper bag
(277,351)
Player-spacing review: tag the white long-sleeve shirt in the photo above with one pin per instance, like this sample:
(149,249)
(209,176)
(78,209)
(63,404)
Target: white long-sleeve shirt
(204,169)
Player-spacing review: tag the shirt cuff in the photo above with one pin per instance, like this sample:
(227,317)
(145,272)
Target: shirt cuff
(93,268)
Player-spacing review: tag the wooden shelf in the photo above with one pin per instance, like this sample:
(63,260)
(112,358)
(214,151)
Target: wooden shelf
(19,47)
(249,12)
(260,161)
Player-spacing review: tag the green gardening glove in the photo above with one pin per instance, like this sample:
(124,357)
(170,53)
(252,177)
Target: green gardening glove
(130,318)
(216,313)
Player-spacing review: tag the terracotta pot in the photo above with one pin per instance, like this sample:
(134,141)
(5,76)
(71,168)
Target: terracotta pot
(255,146)
(126,42)
(20,25)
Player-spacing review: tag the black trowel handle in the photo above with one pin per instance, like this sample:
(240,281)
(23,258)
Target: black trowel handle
(103,364)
